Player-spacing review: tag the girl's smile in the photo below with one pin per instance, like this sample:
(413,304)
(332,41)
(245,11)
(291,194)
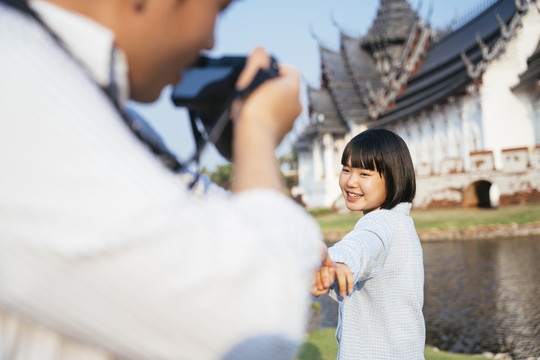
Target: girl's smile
(363,190)
(352,196)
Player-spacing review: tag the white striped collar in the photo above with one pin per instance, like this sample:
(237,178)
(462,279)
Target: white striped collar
(90,43)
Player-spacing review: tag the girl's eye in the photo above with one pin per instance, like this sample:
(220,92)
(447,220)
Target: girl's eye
(345,170)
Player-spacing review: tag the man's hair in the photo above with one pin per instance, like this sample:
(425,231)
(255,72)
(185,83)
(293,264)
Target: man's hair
(386,152)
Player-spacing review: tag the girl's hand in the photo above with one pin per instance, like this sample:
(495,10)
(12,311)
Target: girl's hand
(324,276)
(345,279)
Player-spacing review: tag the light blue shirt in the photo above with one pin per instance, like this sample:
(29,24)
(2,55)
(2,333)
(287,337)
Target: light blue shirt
(382,318)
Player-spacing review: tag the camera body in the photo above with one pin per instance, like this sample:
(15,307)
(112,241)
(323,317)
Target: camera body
(208,89)
(209,83)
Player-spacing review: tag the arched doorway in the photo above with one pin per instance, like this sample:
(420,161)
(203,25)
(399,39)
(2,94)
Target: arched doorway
(481,194)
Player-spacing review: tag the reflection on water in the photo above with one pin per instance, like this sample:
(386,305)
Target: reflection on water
(480,296)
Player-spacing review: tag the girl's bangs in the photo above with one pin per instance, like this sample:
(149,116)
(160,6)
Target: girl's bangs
(363,158)
(363,155)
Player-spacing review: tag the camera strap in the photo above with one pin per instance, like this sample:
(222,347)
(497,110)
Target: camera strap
(135,123)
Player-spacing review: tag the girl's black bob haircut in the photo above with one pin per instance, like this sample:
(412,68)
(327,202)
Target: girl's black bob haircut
(384,151)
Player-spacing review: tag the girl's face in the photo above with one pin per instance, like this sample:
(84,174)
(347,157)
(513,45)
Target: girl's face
(363,190)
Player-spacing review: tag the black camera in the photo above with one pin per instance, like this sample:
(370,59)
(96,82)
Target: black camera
(207,90)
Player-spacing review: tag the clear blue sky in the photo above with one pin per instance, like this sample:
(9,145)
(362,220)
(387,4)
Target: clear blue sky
(285,28)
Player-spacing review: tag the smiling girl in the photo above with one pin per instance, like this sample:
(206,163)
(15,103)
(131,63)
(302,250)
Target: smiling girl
(379,267)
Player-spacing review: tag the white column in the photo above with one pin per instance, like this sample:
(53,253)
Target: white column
(466,133)
(328,158)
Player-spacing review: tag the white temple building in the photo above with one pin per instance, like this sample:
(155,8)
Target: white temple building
(467,103)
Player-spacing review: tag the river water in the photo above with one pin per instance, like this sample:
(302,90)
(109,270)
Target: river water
(480,295)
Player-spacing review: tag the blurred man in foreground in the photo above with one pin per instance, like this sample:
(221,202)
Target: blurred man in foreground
(102,254)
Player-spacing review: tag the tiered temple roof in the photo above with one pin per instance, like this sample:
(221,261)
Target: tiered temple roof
(399,68)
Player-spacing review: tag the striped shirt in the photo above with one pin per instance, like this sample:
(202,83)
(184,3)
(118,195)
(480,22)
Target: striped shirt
(103,254)
(382,318)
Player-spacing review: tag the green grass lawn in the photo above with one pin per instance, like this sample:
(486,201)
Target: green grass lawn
(443,218)
(321,345)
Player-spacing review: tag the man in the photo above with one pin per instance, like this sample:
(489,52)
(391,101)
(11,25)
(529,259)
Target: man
(102,254)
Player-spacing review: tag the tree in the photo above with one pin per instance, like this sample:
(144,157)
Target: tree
(288,164)
(223,176)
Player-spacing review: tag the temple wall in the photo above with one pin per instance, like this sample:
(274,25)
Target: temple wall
(517,183)
(451,190)
(505,118)
(530,100)
(443,173)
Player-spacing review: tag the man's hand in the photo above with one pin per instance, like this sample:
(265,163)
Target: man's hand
(261,121)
